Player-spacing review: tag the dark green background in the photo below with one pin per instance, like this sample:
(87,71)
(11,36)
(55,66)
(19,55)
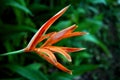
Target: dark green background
(20,19)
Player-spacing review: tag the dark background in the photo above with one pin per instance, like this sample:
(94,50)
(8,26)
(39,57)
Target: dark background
(20,19)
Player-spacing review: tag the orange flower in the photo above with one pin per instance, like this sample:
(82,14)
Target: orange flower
(47,50)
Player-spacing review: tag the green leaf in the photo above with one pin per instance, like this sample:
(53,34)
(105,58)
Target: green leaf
(84,55)
(94,9)
(11,59)
(13,79)
(63,78)
(15,29)
(34,66)
(38,7)
(80,56)
(98,1)
(81,69)
(93,39)
(60,76)
(30,74)
(19,6)
(92,25)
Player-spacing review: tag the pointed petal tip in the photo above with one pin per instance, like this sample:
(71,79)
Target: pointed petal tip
(74,25)
(82,48)
(84,33)
(70,60)
(63,10)
(68,6)
(70,72)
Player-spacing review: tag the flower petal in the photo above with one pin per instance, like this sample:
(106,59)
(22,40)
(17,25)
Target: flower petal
(61,67)
(44,28)
(59,35)
(48,42)
(54,40)
(45,36)
(47,53)
(61,51)
(57,64)
(68,49)
(74,34)
(64,31)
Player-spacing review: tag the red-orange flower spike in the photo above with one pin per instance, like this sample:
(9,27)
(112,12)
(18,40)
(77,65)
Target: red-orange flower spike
(65,33)
(47,51)
(44,28)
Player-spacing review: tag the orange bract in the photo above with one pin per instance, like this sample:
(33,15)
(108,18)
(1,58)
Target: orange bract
(47,50)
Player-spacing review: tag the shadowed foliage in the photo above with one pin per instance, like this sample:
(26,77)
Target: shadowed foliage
(20,20)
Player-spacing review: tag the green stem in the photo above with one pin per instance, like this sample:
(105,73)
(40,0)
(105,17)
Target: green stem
(14,52)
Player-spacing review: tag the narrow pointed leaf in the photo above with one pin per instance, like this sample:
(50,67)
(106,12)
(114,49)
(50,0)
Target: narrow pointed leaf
(27,73)
(19,6)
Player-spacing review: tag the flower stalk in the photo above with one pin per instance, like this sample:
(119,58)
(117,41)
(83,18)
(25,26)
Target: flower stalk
(13,52)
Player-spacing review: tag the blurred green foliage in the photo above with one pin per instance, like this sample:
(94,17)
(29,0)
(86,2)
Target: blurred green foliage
(20,19)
